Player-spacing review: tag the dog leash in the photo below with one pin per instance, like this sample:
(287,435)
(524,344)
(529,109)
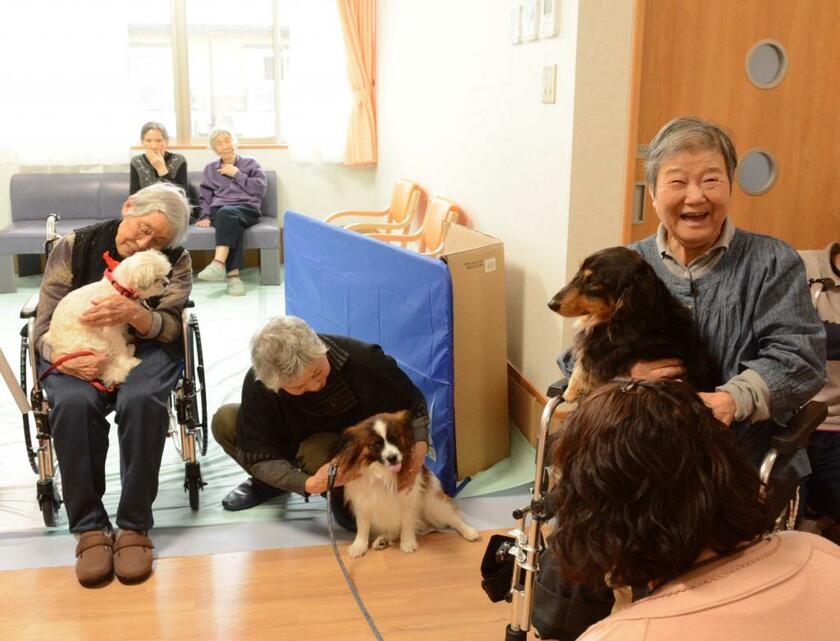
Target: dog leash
(54,367)
(331,474)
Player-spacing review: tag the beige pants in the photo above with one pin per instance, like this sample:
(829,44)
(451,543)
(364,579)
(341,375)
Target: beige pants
(314,452)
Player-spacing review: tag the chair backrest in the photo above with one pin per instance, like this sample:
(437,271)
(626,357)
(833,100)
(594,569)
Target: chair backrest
(404,201)
(440,214)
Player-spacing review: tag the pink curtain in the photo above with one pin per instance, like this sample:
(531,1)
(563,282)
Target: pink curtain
(358,22)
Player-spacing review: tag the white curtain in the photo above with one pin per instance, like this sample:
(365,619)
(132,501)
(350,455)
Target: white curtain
(64,94)
(318,100)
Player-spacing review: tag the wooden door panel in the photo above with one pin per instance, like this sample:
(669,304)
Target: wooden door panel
(693,62)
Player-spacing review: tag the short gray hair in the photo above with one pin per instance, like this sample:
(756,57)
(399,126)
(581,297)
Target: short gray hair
(688,133)
(283,349)
(151,126)
(169,200)
(218,131)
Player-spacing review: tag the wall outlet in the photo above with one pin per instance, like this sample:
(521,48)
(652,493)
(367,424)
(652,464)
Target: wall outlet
(549,84)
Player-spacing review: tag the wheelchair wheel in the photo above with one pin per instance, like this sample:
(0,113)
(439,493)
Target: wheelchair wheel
(199,405)
(49,501)
(193,483)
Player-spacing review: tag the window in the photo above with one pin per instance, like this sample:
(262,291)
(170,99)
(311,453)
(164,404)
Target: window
(196,64)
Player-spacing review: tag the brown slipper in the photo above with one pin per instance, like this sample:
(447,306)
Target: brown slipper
(94,557)
(133,556)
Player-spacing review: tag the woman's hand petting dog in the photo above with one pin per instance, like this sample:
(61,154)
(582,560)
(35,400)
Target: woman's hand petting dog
(722,405)
(116,310)
(87,368)
(418,456)
(663,368)
(317,483)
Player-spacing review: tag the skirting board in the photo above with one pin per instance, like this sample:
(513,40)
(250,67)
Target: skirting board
(526,404)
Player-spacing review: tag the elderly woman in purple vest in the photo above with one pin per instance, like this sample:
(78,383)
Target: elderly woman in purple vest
(232,188)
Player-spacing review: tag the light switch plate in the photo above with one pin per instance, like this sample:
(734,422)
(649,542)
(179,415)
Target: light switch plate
(549,83)
(514,24)
(530,20)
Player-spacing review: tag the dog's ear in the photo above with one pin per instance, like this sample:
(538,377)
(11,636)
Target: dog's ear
(350,447)
(625,325)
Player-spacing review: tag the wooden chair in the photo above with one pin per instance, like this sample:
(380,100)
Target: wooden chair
(396,218)
(431,237)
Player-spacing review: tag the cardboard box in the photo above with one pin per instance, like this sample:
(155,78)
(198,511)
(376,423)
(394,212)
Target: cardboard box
(476,263)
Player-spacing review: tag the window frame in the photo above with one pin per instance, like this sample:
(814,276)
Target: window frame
(181,80)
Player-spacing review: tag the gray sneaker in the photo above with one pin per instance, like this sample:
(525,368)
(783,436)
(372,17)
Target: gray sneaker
(235,286)
(214,272)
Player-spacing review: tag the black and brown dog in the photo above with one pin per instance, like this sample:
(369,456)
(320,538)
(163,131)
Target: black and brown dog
(627,315)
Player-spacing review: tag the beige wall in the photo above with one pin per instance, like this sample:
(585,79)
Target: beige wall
(460,112)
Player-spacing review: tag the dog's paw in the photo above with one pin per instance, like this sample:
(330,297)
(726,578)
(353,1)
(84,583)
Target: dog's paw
(571,394)
(408,545)
(381,542)
(470,533)
(357,549)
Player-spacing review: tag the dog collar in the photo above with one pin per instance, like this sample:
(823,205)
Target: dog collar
(112,265)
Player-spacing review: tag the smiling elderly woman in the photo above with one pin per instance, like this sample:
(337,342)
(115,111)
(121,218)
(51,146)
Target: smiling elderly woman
(154,218)
(747,291)
(232,188)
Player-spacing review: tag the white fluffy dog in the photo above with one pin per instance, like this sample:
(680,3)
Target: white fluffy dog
(147,274)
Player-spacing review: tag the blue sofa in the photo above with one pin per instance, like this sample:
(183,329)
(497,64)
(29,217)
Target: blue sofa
(83,199)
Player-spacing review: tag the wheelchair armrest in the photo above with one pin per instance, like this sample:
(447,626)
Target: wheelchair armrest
(29,307)
(800,427)
(557,388)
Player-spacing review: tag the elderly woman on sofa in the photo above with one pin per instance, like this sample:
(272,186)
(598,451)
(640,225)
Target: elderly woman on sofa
(232,188)
(156,217)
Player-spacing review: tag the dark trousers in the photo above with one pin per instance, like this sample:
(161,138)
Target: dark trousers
(824,485)
(80,433)
(230,222)
(314,452)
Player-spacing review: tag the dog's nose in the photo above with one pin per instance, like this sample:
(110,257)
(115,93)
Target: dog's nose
(392,459)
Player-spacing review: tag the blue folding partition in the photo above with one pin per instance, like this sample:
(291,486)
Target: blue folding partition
(342,282)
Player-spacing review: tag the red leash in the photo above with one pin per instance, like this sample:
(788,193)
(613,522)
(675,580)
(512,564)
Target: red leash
(54,368)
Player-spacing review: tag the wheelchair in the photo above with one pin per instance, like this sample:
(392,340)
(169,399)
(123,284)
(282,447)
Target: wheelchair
(511,565)
(188,423)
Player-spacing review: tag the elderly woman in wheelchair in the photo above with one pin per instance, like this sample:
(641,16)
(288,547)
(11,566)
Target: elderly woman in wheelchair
(653,493)
(153,218)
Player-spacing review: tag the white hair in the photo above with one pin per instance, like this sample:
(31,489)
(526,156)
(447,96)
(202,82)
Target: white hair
(169,200)
(283,349)
(218,131)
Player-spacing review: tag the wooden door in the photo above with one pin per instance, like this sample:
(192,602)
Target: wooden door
(690,59)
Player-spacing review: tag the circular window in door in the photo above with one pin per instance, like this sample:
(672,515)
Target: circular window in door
(757,172)
(766,64)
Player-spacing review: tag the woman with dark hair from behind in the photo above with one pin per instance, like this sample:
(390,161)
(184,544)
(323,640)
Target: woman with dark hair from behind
(653,494)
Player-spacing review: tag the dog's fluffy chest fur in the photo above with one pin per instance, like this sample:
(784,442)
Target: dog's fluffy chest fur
(375,492)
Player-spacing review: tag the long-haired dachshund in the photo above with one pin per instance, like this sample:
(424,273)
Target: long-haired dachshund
(627,315)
